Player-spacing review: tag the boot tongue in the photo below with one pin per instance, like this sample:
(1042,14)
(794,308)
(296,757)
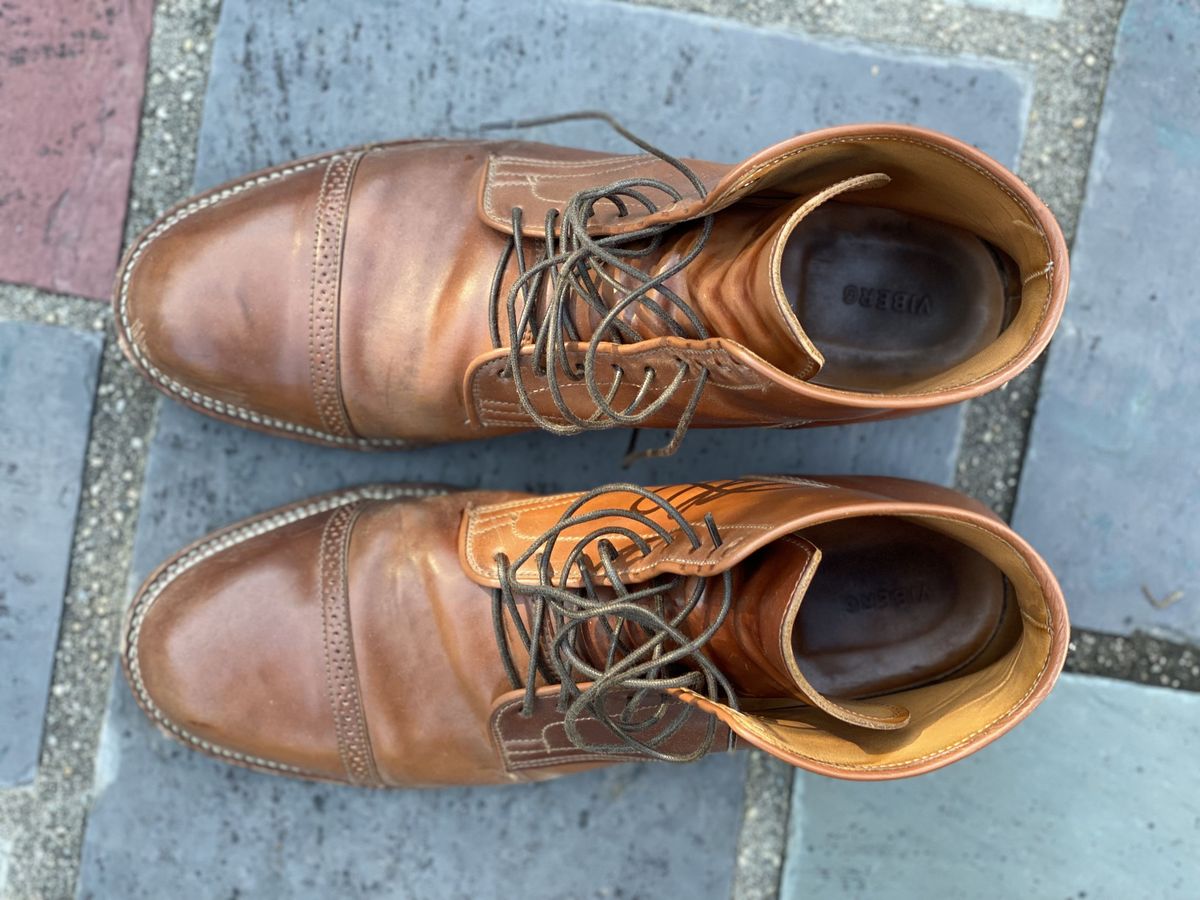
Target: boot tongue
(754,646)
(735,285)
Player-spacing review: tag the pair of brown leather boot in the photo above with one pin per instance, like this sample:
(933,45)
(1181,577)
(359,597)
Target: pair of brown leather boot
(422,291)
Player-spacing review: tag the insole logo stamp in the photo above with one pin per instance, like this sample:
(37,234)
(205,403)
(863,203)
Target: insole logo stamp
(897,597)
(904,302)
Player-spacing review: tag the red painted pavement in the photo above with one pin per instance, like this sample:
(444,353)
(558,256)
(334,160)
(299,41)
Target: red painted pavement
(71,76)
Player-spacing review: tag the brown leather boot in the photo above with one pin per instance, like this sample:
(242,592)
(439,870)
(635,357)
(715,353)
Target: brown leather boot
(867,628)
(405,293)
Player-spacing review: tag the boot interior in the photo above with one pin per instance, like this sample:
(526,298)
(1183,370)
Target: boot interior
(891,298)
(953,217)
(1010,648)
(894,605)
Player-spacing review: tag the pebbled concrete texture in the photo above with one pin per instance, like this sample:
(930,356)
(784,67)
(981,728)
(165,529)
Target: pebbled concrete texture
(1141,658)
(1092,797)
(47,387)
(1110,484)
(71,77)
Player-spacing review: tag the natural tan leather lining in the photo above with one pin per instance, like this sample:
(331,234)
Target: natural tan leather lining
(779,295)
(963,194)
(949,717)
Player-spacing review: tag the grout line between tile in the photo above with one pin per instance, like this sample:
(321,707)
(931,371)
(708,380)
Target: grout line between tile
(44,823)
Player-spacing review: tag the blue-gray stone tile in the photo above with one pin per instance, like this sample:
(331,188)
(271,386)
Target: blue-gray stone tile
(291,77)
(202,473)
(1111,484)
(299,76)
(1094,796)
(47,386)
(168,822)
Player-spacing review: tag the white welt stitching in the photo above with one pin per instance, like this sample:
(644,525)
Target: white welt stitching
(211,403)
(210,548)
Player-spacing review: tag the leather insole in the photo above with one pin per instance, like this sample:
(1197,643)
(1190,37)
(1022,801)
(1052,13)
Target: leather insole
(893,605)
(891,298)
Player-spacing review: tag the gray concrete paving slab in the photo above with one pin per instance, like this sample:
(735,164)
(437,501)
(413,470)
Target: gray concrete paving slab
(203,474)
(1111,483)
(290,77)
(1092,797)
(169,822)
(47,388)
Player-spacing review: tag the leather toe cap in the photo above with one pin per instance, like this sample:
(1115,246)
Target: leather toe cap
(214,301)
(225,648)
